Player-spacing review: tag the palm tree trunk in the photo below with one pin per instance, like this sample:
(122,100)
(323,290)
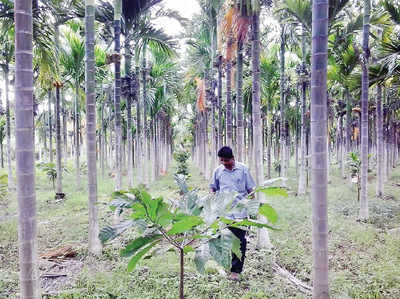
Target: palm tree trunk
(50,129)
(145,159)
(269,139)
(65,133)
(117,93)
(262,237)
(58,140)
(239,97)
(229,124)
(220,120)
(94,242)
(380,149)
(302,176)
(8,132)
(364,112)
(139,140)
(77,125)
(128,58)
(341,148)
(318,148)
(27,228)
(282,103)
(103,156)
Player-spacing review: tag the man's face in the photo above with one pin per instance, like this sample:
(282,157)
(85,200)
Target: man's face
(227,162)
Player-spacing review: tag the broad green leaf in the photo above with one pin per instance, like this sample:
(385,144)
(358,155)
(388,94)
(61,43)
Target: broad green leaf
(139,212)
(247,222)
(221,250)
(269,212)
(226,220)
(187,249)
(185,224)
(121,202)
(164,216)
(201,257)
(138,243)
(273,191)
(135,259)
(252,207)
(111,232)
(236,246)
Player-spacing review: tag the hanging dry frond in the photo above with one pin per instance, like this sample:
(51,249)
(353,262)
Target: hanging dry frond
(356,132)
(201,94)
(233,77)
(242,25)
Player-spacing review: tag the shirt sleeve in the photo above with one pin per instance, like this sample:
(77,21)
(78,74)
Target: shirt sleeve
(250,184)
(214,184)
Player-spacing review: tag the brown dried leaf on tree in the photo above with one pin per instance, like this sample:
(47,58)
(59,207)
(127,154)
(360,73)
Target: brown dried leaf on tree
(201,92)
(113,58)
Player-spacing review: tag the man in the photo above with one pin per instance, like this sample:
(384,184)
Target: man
(233,176)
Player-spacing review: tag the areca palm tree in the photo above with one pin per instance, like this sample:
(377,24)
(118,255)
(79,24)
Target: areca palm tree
(6,58)
(364,111)
(94,242)
(29,278)
(269,91)
(318,148)
(254,11)
(72,58)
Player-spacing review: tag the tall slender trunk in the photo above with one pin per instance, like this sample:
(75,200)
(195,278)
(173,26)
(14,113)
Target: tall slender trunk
(77,146)
(282,103)
(269,139)
(139,140)
(220,120)
(25,148)
(128,58)
(94,242)
(318,148)
(58,140)
(341,157)
(50,128)
(380,141)
(302,175)
(8,131)
(239,105)
(229,116)
(117,93)
(364,112)
(102,139)
(214,133)
(64,120)
(262,237)
(145,159)
(207,153)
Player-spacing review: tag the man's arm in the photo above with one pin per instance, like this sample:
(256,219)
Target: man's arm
(249,182)
(214,184)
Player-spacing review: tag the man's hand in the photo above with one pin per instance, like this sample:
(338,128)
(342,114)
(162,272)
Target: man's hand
(250,193)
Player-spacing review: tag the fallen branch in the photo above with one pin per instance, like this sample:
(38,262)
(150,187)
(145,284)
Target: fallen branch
(61,253)
(304,288)
(53,275)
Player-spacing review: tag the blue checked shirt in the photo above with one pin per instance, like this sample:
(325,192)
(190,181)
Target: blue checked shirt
(236,180)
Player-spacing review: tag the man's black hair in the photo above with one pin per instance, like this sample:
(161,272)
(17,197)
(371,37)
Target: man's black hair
(225,152)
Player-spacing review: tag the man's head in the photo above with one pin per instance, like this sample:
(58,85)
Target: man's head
(226,157)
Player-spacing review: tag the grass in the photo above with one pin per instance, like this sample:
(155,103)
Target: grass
(364,260)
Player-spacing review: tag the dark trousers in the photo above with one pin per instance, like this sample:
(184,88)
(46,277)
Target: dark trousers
(237,264)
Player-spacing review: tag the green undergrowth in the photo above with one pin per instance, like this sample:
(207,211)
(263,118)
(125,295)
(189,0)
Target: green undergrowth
(364,258)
